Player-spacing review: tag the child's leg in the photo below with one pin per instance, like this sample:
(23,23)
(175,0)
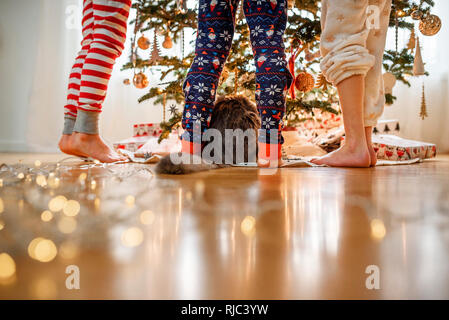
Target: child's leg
(267,21)
(374,86)
(110,24)
(214,38)
(70,109)
(346,61)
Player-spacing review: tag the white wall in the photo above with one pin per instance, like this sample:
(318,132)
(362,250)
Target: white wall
(18,22)
(37,49)
(38,44)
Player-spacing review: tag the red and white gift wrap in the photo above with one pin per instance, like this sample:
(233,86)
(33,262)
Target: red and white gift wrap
(131,144)
(147,129)
(142,132)
(393,148)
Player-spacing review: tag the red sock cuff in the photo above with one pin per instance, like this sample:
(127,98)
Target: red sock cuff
(190,147)
(270,151)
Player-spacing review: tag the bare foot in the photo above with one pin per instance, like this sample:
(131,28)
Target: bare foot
(66,146)
(264,163)
(369,143)
(372,155)
(93,146)
(346,157)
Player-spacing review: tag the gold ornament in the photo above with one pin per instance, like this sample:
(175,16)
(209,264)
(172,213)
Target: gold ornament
(418,64)
(304,82)
(412,41)
(155,56)
(168,43)
(143,43)
(423,114)
(140,80)
(430,25)
(126,82)
(321,82)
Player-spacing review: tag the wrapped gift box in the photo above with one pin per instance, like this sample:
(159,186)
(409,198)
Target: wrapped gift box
(131,144)
(387,127)
(147,129)
(390,147)
(152,146)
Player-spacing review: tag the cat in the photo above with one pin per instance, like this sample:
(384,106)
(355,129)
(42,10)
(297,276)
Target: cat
(231,112)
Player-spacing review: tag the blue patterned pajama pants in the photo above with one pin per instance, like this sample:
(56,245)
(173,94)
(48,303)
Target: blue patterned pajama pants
(216,21)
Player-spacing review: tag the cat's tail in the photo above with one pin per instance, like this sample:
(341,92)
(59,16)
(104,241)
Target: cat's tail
(184,164)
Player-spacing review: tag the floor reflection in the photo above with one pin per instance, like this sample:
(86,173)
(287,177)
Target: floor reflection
(231,233)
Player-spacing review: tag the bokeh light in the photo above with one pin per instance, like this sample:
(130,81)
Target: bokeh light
(378,230)
(132,237)
(147,217)
(57,203)
(130,201)
(41,180)
(7,266)
(43,250)
(2,225)
(67,225)
(46,216)
(82,177)
(248,226)
(71,208)
(2,206)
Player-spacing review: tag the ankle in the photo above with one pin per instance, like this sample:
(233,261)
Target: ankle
(356,146)
(84,137)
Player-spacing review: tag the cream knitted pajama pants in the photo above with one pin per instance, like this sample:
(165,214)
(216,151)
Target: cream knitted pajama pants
(353,43)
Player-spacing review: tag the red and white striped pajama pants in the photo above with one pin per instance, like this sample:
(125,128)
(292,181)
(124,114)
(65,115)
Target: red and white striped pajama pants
(104,34)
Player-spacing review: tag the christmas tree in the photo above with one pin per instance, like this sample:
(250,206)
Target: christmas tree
(172,19)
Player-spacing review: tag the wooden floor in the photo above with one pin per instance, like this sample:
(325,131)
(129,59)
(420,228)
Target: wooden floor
(305,233)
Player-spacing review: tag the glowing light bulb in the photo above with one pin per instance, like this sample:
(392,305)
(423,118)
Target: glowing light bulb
(248,225)
(130,201)
(46,216)
(7,266)
(57,203)
(41,180)
(132,237)
(147,217)
(378,230)
(21,175)
(93,184)
(71,208)
(37,163)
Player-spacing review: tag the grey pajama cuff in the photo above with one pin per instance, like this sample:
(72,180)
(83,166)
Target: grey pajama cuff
(69,124)
(87,122)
